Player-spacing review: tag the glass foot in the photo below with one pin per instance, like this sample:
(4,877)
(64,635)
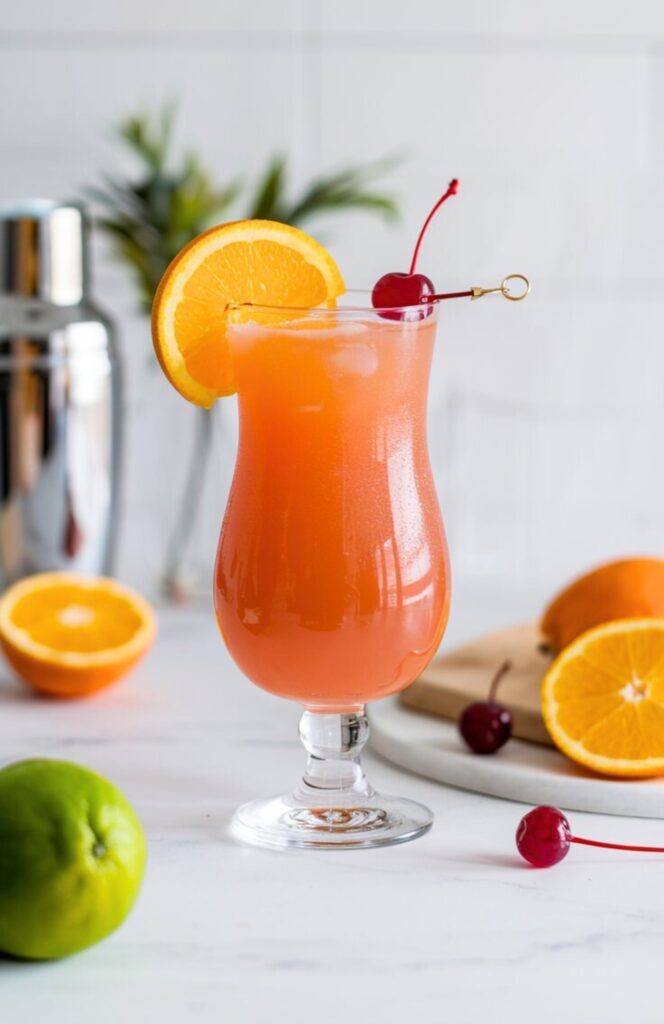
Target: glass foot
(377,821)
(334,807)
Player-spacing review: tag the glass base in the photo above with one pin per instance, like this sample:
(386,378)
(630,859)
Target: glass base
(334,807)
(286,821)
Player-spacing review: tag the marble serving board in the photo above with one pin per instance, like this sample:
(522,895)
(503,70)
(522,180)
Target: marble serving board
(529,769)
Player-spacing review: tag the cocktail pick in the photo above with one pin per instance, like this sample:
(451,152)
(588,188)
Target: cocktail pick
(544,837)
(504,288)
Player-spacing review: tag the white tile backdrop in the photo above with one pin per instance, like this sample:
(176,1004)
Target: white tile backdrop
(547,419)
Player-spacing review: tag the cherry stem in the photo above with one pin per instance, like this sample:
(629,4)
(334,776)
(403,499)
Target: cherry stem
(616,846)
(495,682)
(452,190)
(446,295)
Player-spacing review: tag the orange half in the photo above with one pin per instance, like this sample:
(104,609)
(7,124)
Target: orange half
(249,261)
(70,635)
(603,698)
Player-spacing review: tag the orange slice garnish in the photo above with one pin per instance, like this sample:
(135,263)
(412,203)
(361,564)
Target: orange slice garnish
(603,698)
(249,261)
(70,635)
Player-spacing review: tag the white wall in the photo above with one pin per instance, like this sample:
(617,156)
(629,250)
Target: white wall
(547,419)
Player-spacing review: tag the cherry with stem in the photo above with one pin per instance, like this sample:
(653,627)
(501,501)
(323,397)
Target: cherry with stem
(544,837)
(486,725)
(396,290)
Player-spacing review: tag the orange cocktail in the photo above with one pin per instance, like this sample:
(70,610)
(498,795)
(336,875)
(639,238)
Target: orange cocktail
(332,578)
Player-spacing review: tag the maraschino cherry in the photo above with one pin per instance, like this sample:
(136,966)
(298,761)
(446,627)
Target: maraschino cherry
(396,290)
(486,725)
(544,837)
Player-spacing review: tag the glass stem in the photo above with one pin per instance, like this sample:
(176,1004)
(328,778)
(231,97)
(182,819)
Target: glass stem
(334,743)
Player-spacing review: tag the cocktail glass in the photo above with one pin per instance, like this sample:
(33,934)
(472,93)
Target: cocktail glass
(332,575)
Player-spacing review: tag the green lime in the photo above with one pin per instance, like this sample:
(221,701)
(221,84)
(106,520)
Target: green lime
(72,855)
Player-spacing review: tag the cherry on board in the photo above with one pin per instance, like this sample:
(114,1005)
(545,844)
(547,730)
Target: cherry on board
(397,290)
(486,725)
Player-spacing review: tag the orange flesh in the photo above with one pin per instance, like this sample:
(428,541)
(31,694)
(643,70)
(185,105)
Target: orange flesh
(69,636)
(260,272)
(68,619)
(603,700)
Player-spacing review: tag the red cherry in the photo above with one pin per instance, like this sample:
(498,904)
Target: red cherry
(398,290)
(401,290)
(486,725)
(543,837)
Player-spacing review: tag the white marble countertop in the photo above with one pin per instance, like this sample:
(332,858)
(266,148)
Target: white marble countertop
(450,928)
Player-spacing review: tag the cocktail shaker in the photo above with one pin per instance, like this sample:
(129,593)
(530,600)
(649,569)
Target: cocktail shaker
(59,398)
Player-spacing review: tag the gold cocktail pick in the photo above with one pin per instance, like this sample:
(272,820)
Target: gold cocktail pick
(504,288)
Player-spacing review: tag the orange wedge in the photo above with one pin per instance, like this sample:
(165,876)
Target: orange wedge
(69,635)
(249,261)
(603,698)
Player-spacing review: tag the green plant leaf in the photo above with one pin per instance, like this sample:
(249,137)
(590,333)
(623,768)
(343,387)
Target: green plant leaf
(347,189)
(149,136)
(151,217)
(267,203)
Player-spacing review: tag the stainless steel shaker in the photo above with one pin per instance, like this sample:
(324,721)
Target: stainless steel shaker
(59,398)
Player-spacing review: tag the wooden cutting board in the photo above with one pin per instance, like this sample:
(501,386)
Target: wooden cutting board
(464,674)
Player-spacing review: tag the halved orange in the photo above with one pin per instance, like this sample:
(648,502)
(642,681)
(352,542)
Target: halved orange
(603,698)
(248,261)
(70,635)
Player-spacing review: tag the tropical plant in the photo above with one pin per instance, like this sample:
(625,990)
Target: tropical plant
(152,216)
